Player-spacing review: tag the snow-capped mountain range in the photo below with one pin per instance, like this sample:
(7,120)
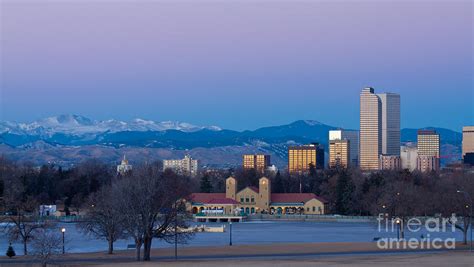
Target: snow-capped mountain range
(69,139)
(79,125)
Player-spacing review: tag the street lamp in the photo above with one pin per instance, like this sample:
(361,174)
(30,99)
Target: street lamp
(398,229)
(230,231)
(468,198)
(385,214)
(176,237)
(63,231)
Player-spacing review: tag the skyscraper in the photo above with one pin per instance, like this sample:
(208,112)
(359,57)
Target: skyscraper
(428,150)
(390,123)
(379,127)
(428,143)
(259,162)
(467,140)
(353,137)
(370,129)
(300,158)
(339,151)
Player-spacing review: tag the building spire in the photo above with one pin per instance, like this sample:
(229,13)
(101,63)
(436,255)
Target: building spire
(124,167)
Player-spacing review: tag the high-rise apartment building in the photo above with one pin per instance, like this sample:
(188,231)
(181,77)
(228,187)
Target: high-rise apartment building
(389,162)
(370,142)
(428,150)
(427,163)
(353,137)
(186,166)
(390,123)
(339,151)
(259,162)
(428,143)
(300,158)
(467,140)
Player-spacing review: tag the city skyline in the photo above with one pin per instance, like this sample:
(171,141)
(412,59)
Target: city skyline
(301,59)
(237,132)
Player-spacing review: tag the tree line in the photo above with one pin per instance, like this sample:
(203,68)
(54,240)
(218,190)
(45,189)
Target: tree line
(143,205)
(402,194)
(117,205)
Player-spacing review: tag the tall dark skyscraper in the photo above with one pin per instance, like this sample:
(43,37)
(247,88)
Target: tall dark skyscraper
(390,123)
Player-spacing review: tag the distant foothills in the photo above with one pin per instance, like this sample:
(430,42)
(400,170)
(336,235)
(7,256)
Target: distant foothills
(68,139)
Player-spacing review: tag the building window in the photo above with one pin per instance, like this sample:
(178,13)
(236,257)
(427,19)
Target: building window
(307,209)
(246,199)
(241,200)
(253,199)
(314,209)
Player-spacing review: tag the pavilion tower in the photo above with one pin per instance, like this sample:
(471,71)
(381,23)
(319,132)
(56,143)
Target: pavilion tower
(231,188)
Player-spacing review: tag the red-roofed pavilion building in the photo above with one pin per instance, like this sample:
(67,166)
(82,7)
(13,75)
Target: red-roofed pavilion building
(252,200)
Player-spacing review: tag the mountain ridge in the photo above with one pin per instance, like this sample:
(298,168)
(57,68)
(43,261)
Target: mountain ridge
(78,130)
(70,148)
(79,125)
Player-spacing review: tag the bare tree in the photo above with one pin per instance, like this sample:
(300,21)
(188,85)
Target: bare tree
(402,200)
(450,202)
(103,219)
(150,202)
(24,223)
(46,245)
(77,203)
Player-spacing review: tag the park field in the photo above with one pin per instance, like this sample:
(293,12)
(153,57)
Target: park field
(299,254)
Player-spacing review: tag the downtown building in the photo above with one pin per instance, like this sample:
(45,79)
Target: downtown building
(390,123)
(379,129)
(428,145)
(427,163)
(301,158)
(352,137)
(408,156)
(254,200)
(388,162)
(339,151)
(185,166)
(468,145)
(124,168)
(258,162)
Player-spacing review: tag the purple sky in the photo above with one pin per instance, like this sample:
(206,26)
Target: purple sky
(236,64)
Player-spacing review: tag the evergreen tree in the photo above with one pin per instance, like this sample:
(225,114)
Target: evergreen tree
(278,184)
(315,180)
(10,251)
(206,186)
(67,211)
(312,170)
(344,191)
